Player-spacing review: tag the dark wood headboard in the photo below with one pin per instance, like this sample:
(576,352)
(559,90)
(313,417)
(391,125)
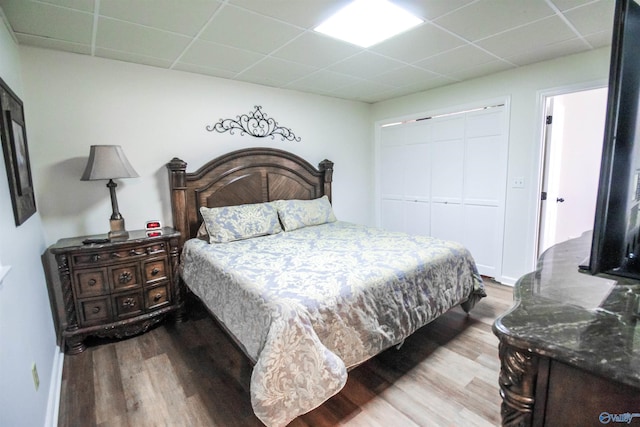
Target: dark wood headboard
(252,175)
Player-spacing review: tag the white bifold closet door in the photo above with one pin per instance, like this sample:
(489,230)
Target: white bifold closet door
(446,177)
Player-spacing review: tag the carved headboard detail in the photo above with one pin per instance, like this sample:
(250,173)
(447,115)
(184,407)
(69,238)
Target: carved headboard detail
(252,175)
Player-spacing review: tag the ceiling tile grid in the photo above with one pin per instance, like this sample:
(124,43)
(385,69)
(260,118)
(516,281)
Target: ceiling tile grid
(272,42)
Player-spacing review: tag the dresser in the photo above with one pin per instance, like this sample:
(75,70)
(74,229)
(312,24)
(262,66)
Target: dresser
(570,346)
(113,289)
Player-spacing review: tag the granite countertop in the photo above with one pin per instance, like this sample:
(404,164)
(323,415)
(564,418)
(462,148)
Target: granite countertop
(590,322)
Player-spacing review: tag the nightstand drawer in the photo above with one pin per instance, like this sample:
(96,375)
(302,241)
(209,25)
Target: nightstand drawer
(109,256)
(157,297)
(155,270)
(125,276)
(94,311)
(89,259)
(128,304)
(91,283)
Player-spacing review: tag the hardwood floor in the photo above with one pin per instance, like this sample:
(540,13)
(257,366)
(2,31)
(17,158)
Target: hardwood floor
(191,374)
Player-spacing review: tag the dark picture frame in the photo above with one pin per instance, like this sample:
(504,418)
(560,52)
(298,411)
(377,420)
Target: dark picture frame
(13,132)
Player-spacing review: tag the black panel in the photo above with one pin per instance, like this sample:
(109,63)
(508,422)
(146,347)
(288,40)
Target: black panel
(616,242)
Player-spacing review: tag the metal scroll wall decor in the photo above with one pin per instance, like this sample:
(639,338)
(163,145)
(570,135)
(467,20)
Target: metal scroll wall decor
(256,123)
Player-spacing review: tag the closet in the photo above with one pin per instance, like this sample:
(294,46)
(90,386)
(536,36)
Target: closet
(445,176)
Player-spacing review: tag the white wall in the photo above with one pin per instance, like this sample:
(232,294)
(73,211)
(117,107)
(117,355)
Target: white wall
(26,326)
(523,86)
(155,114)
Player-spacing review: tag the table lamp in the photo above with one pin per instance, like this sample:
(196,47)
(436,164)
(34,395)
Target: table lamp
(109,162)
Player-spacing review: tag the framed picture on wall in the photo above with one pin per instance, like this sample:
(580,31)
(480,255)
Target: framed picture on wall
(16,154)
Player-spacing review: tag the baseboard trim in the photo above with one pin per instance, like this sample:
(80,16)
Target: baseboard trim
(509,281)
(55,388)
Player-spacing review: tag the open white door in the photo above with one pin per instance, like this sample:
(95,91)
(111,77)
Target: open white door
(573,138)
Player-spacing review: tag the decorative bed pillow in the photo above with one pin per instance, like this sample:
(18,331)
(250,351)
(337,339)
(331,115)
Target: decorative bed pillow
(202,232)
(231,223)
(296,214)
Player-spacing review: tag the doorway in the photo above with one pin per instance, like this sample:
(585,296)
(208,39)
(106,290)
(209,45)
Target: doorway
(572,149)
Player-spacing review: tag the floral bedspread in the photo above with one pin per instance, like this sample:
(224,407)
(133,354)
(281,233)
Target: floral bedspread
(310,303)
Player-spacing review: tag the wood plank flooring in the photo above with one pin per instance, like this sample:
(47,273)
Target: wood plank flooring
(191,374)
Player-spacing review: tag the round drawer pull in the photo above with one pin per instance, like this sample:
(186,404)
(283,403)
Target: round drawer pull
(157,297)
(155,271)
(96,310)
(129,302)
(95,258)
(125,277)
(92,282)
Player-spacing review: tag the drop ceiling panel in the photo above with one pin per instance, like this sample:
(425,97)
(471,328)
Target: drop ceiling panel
(564,5)
(137,39)
(599,39)
(212,55)
(83,5)
(504,15)
(463,57)
(168,15)
(432,9)
(323,81)
(363,91)
(366,65)
(305,14)
(415,45)
(546,52)
(532,37)
(275,70)
(44,20)
(272,42)
(207,71)
(592,18)
(316,50)
(132,57)
(257,33)
(48,43)
(481,70)
(405,76)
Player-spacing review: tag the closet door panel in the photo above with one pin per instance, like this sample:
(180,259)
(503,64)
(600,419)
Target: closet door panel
(418,218)
(485,123)
(392,135)
(447,177)
(484,174)
(447,171)
(392,214)
(448,128)
(393,170)
(418,172)
(482,237)
(419,132)
(446,221)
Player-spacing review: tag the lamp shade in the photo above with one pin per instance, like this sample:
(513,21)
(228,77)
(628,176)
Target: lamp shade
(107,162)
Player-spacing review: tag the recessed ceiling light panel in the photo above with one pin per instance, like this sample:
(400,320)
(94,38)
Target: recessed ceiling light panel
(367,22)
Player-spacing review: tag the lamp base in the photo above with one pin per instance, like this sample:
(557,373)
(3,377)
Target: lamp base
(117,230)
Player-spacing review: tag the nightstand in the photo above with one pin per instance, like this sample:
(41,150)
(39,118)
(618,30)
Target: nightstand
(114,289)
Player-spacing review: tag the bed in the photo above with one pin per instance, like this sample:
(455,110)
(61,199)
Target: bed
(304,295)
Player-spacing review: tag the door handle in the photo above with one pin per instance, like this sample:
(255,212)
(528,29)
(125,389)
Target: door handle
(560,200)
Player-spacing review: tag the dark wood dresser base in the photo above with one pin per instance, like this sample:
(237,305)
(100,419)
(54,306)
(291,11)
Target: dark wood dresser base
(570,346)
(114,289)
